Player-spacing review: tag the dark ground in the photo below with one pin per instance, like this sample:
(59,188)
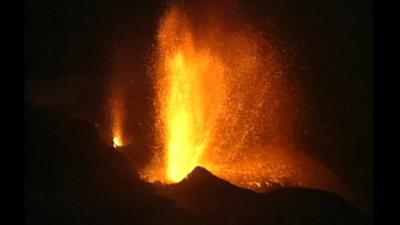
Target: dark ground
(73,177)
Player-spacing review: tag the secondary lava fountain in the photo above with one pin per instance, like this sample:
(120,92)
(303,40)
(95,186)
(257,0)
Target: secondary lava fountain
(118,103)
(117,117)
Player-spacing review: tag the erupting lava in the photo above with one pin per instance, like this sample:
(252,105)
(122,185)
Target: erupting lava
(212,82)
(223,102)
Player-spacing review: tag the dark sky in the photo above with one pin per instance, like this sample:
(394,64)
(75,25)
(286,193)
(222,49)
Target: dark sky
(332,41)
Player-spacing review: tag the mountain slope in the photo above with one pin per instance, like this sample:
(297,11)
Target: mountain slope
(221,202)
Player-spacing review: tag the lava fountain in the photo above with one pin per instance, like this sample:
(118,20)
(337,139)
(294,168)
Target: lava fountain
(223,101)
(213,76)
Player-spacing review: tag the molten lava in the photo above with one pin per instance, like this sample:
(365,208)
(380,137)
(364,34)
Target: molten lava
(193,88)
(117,142)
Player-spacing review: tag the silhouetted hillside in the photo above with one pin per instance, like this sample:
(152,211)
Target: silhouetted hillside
(73,177)
(207,195)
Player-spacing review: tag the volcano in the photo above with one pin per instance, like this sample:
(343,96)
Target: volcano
(197,112)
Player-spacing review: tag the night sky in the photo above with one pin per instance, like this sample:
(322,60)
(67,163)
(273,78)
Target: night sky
(69,45)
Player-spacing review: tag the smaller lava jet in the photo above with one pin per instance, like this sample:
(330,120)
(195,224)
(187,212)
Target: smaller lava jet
(117,142)
(117,114)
